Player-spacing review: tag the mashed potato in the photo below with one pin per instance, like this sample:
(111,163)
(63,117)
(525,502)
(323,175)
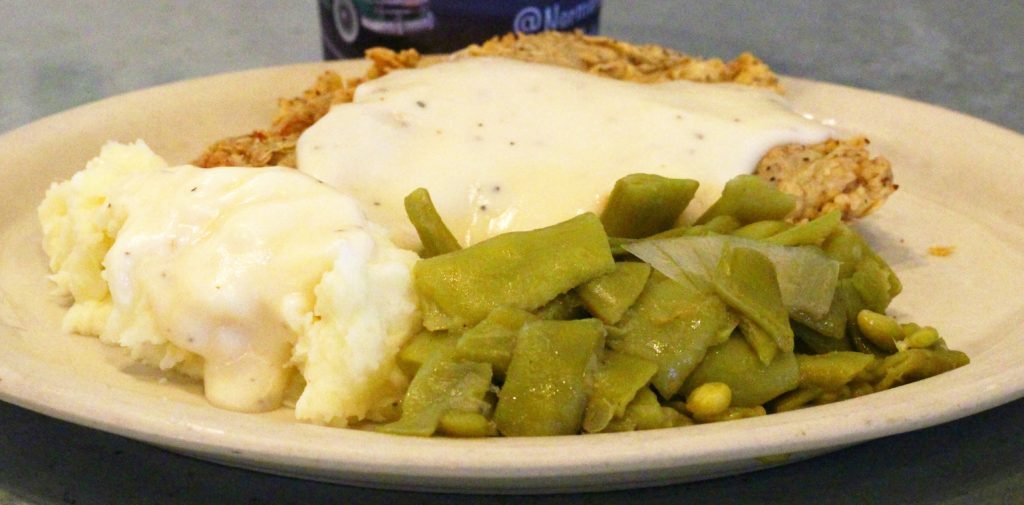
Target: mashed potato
(241,277)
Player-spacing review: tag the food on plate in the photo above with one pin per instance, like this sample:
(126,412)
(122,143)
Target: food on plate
(480,133)
(253,280)
(824,175)
(687,324)
(610,237)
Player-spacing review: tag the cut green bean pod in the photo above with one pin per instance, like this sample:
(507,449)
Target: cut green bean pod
(641,205)
(749,199)
(645,412)
(833,323)
(545,390)
(421,347)
(434,235)
(759,340)
(850,249)
(745,280)
(816,343)
(872,282)
(810,233)
(752,383)
(441,385)
(524,270)
(720,225)
(564,307)
(832,371)
(616,245)
(672,324)
(457,423)
(916,364)
(607,297)
(493,339)
(616,383)
(761,229)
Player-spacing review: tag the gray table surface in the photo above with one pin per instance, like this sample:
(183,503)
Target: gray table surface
(967,56)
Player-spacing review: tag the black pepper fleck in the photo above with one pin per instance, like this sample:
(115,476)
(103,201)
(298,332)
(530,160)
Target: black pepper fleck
(376,204)
(421,104)
(483,207)
(497,189)
(193,189)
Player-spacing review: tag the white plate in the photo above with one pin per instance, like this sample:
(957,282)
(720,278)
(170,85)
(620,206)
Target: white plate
(961,185)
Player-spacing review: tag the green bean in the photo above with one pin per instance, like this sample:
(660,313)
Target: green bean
(796,399)
(745,280)
(545,389)
(749,199)
(872,282)
(616,245)
(916,364)
(455,423)
(816,342)
(435,236)
(421,347)
(752,383)
(833,323)
(616,383)
(717,225)
(850,249)
(523,270)
(607,297)
(759,340)
(761,229)
(641,205)
(810,233)
(832,371)
(441,385)
(672,324)
(646,413)
(564,307)
(493,339)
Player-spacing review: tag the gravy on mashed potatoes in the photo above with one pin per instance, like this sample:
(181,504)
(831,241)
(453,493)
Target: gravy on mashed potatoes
(242,277)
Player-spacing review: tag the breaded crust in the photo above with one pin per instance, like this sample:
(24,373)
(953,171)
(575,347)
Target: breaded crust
(835,174)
